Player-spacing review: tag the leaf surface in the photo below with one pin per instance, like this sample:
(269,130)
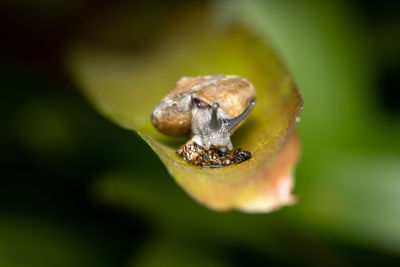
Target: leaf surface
(126,86)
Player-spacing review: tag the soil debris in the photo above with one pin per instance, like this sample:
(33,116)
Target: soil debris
(212,157)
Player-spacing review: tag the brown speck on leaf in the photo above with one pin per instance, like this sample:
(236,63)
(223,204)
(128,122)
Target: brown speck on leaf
(213,157)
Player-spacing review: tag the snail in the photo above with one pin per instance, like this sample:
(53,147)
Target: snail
(210,108)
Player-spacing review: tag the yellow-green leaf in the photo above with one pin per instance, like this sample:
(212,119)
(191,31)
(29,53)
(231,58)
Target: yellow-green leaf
(125,87)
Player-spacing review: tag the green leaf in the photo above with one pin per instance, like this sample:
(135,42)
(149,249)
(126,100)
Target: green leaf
(125,87)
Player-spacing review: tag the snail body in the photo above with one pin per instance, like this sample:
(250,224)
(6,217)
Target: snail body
(209,107)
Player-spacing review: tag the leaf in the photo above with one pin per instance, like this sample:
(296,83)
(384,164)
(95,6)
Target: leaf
(125,86)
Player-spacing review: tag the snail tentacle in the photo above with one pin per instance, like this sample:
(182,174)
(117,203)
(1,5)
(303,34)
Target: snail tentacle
(232,123)
(215,123)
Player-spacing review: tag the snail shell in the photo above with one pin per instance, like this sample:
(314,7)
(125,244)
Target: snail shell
(210,107)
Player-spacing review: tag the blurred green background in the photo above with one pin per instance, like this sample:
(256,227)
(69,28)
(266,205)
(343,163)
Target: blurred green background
(77,190)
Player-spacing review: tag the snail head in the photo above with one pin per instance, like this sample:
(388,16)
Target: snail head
(211,129)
